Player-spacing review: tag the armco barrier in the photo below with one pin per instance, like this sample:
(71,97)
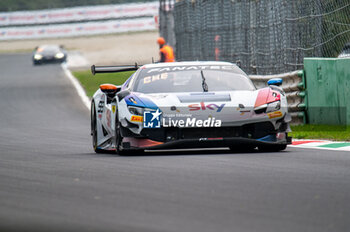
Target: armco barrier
(78,29)
(328,87)
(74,14)
(294,86)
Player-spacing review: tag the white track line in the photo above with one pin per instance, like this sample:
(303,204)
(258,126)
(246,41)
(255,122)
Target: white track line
(81,92)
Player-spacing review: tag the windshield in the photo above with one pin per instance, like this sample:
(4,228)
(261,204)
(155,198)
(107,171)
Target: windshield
(49,49)
(191,81)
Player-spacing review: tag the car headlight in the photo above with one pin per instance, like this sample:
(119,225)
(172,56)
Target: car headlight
(59,55)
(273,106)
(267,108)
(38,57)
(136,110)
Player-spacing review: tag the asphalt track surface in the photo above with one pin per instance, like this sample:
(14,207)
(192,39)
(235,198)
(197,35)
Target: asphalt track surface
(50,180)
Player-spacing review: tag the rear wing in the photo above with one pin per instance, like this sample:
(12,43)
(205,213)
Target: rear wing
(113,69)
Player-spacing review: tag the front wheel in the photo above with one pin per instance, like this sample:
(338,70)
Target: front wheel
(94,129)
(119,139)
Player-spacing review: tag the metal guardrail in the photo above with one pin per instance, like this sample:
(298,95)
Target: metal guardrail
(295,88)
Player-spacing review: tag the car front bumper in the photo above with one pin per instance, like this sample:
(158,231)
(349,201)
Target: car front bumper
(147,144)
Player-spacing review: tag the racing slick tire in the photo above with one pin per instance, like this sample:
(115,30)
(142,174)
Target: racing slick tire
(272,148)
(94,129)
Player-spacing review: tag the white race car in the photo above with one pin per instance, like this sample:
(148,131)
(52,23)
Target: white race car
(188,105)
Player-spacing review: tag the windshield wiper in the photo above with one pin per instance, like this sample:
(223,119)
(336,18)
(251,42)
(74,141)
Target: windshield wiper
(204,84)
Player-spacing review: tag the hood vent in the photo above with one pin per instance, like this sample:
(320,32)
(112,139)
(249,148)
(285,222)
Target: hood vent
(204,97)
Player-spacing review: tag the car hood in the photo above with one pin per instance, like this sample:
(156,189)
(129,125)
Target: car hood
(49,53)
(228,106)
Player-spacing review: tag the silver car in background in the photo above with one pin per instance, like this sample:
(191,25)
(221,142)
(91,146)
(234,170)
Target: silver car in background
(49,54)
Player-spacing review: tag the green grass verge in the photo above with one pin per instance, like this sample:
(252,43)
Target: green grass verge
(91,83)
(339,133)
(328,132)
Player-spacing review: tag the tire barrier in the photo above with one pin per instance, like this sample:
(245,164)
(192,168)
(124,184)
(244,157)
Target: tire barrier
(295,89)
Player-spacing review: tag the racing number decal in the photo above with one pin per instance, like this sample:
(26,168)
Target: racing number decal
(100,106)
(100,109)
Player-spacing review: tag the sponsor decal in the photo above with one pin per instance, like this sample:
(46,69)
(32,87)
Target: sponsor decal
(132,100)
(151,119)
(186,68)
(100,106)
(243,112)
(275,114)
(191,122)
(78,14)
(136,118)
(71,29)
(208,139)
(113,108)
(173,108)
(203,106)
(153,78)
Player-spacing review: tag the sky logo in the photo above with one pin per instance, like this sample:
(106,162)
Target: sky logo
(151,119)
(203,106)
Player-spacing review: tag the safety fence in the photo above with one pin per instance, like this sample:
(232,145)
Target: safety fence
(74,14)
(166,22)
(294,87)
(265,36)
(78,29)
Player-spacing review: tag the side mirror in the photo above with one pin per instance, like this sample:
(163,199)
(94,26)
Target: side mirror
(123,94)
(110,89)
(275,81)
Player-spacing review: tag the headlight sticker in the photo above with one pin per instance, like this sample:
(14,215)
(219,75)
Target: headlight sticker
(275,114)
